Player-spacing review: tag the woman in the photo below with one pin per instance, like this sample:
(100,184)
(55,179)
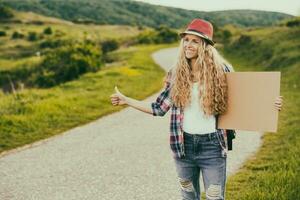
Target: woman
(196,91)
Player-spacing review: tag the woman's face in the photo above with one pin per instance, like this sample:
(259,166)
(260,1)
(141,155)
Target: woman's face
(190,45)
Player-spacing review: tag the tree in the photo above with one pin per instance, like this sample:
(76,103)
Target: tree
(226,35)
(48,31)
(165,35)
(32,36)
(17,35)
(293,23)
(68,63)
(5,12)
(2,33)
(109,45)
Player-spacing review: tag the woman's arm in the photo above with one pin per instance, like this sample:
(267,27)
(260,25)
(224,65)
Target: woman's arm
(158,108)
(120,99)
(139,105)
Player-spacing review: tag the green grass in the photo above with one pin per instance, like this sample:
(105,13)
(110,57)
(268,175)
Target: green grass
(9,64)
(40,113)
(29,20)
(273,173)
(35,114)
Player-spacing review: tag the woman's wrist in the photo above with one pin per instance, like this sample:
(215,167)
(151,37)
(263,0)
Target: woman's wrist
(127,100)
(139,105)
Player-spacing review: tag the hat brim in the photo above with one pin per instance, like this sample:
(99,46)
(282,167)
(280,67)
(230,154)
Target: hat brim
(198,34)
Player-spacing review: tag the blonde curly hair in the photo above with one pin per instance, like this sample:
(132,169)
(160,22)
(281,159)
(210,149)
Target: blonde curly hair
(210,73)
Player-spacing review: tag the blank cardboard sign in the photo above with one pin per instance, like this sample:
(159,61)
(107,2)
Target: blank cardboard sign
(251,101)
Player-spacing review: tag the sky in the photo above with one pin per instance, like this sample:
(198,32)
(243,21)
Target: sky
(286,6)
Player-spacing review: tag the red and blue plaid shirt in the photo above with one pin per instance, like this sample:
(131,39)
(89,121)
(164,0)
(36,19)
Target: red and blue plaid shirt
(162,105)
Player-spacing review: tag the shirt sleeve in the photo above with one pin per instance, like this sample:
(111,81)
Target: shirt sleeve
(163,102)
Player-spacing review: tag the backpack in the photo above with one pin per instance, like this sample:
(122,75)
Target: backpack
(230,134)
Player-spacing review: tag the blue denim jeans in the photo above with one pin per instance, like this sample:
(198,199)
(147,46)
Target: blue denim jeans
(205,153)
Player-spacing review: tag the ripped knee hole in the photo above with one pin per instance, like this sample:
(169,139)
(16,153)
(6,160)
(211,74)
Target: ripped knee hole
(186,185)
(214,192)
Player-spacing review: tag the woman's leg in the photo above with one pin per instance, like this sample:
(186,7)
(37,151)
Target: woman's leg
(188,171)
(188,175)
(211,159)
(214,178)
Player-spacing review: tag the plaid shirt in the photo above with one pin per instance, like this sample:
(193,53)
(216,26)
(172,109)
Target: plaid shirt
(162,105)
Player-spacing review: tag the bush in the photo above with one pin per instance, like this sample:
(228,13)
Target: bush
(68,63)
(146,37)
(161,35)
(293,23)
(5,12)
(165,35)
(226,36)
(48,31)
(244,40)
(2,33)
(17,35)
(32,36)
(109,45)
(53,43)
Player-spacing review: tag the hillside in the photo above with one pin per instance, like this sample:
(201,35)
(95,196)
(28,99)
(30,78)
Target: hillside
(33,18)
(272,48)
(273,173)
(26,38)
(137,13)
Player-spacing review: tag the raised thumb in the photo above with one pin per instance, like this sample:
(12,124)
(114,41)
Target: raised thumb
(116,89)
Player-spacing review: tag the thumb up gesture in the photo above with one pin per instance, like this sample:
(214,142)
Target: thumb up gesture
(118,98)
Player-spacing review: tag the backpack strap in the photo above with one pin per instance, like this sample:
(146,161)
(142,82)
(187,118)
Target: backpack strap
(230,134)
(226,69)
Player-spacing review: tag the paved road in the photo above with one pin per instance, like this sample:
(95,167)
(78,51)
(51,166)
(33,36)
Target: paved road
(123,156)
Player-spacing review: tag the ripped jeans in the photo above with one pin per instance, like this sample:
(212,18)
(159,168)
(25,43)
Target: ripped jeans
(203,152)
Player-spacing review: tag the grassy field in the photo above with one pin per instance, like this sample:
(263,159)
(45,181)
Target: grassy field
(33,114)
(16,53)
(273,173)
(40,113)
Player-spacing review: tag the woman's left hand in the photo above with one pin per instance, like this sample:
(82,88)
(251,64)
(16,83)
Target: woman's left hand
(278,103)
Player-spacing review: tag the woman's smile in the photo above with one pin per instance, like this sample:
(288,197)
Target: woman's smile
(191,44)
(190,53)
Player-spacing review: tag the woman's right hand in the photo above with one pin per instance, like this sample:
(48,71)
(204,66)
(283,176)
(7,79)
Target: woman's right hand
(118,98)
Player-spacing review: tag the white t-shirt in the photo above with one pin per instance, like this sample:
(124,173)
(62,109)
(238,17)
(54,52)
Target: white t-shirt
(194,120)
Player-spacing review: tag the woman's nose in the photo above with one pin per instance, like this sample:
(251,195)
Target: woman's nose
(188,44)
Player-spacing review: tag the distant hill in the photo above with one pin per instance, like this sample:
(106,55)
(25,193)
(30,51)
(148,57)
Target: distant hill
(33,18)
(126,12)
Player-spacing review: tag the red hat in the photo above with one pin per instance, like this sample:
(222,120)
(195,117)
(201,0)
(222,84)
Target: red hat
(201,28)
